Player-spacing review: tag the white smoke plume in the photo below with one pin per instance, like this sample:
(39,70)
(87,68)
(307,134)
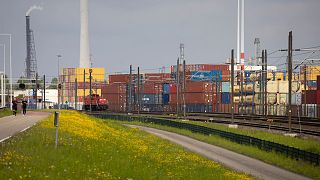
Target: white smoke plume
(33,8)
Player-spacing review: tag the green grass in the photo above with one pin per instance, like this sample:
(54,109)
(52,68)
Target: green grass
(90,148)
(5,112)
(274,158)
(304,143)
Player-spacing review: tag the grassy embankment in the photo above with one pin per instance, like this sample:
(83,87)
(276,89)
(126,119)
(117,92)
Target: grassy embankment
(5,112)
(92,148)
(277,159)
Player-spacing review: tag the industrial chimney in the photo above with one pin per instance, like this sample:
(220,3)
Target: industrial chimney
(31,62)
(84,35)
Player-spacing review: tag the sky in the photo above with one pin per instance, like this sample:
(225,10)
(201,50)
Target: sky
(147,33)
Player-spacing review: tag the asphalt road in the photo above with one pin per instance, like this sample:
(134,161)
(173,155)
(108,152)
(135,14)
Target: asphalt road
(11,125)
(228,158)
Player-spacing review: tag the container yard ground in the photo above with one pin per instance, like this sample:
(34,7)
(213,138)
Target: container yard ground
(270,157)
(233,160)
(90,148)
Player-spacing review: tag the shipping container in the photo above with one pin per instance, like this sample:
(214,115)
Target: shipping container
(311,97)
(225,97)
(200,87)
(165,99)
(118,78)
(115,88)
(155,77)
(201,67)
(152,88)
(311,84)
(166,88)
(318,96)
(195,98)
(151,99)
(225,87)
(198,108)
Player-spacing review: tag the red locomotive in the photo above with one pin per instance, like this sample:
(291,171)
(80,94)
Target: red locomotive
(97,103)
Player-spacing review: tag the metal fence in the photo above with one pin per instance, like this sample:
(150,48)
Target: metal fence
(238,138)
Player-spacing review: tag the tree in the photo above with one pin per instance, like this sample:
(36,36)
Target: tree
(54,83)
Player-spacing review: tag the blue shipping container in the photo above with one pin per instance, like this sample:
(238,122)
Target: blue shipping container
(225,87)
(225,98)
(201,76)
(166,88)
(312,83)
(165,99)
(216,75)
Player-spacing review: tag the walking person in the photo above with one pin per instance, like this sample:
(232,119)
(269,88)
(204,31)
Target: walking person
(24,107)
(14,107)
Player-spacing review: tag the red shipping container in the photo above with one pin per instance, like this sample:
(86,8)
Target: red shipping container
(152,88)
(201,87)
(173,88)
(311,97)
(194,98)
(157,76)
(117,88)
(318,96)
(318,82)
(119,78)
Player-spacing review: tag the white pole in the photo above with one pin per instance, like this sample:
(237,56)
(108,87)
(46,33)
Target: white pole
(2,99)
(242,32)
(10,76)
(3,84)
(238,35)
(10,70)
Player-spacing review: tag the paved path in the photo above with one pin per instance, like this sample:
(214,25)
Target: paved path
(11,125)
(228,158)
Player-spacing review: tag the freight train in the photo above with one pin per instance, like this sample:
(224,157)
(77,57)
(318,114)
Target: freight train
(97,103)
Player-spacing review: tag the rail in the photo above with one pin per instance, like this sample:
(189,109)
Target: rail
(238,138)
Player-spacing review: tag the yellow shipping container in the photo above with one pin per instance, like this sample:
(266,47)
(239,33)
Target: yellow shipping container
(312,73)
(87,92)
(97,74)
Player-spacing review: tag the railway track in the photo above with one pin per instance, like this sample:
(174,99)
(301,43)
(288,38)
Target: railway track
(308,126)
(304,125)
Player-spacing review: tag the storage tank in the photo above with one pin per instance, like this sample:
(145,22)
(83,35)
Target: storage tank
(248,99)
(272,98)
(249,88)
(236,89)
(236,99)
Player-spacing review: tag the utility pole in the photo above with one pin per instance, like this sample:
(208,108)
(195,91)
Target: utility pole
(262,83)
(84,88)
(90,79)
(76,94)
(232,88)
(305,89)
(44,92)
(184,88)
(289,77)
(138,90)
(36,91)
(130,89)
(178,85)
(266,83)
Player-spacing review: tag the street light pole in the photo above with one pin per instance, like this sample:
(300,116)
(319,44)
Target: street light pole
(10,69)
(3,85)
(59,90)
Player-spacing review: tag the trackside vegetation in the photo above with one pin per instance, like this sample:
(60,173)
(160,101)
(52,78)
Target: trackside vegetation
(274,158)
(90,148)
(5,112)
